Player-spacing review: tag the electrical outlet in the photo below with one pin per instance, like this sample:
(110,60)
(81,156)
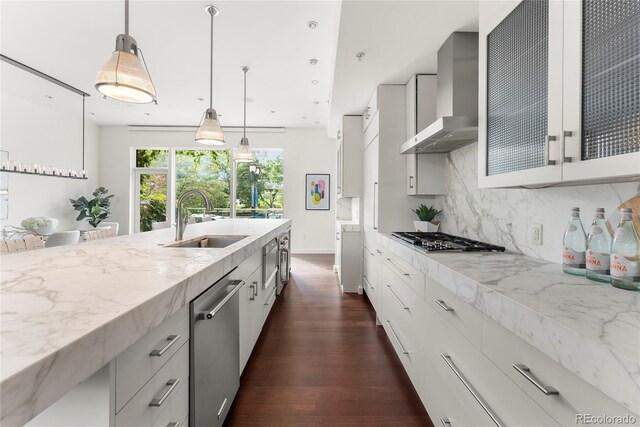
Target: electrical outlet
(535,234)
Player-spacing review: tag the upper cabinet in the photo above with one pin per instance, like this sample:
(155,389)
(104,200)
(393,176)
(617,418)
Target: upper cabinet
(349,153)
(425,172)
(559,97)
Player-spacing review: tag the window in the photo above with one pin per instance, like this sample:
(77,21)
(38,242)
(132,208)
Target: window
(162,175)
(259,188)
(209,171)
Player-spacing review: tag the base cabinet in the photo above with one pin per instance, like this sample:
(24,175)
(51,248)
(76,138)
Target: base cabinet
(463,364)
(348,261)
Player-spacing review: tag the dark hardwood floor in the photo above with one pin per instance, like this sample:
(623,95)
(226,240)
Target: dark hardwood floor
(321,361)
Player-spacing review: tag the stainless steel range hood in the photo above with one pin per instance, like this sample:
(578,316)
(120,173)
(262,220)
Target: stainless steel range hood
(457,123)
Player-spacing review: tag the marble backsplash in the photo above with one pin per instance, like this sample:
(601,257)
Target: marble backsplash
(503,216)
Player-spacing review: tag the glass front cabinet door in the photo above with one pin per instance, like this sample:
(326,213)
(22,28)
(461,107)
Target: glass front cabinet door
(559,92)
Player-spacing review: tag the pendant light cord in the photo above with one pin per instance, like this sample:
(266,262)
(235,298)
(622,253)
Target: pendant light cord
(244,128)
(126,17)
(211,63)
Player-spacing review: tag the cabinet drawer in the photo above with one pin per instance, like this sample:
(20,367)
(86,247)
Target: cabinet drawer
(465,364)
(407,347)
(403,304)
(575,396)
(371,291)
(370,111)
(408,274)
(371,272)
(168,387)
(142,360)
(462,316)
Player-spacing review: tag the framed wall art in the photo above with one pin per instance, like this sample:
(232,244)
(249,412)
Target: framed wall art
(318,192)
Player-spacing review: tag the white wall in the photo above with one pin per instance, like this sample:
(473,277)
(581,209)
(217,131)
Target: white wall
(306,150)
(503,216)
(36,129)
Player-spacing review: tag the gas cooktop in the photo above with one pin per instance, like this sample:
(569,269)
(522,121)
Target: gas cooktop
(432,242)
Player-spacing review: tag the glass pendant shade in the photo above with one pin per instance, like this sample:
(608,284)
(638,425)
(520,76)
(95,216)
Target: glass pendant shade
(124,76)
(243,152)
(210,132)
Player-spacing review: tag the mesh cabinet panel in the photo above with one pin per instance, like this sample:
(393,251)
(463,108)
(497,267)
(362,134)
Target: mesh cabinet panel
(610,78)
(517,58)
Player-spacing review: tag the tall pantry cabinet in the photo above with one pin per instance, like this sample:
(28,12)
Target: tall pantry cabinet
(559,92)
(386,205)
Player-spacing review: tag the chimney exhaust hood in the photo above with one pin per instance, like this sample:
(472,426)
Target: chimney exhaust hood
(457,106)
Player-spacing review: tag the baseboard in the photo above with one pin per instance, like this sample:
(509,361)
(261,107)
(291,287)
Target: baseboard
(313,252)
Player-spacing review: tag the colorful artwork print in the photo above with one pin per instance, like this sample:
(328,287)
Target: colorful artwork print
(317,192)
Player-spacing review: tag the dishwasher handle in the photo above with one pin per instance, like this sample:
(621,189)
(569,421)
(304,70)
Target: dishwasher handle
(211,314)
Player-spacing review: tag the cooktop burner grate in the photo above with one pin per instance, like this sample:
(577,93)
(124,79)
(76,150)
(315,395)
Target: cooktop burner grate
(445,242)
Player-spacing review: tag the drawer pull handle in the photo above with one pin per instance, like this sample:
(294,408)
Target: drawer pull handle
(395,337)
(172,339)
(173,383)
(445,422)
(378,250)
(224,403)
(526,372)
(397,268)
(368,251)
(444,305)
(174,424)
(406,307)
(471,390)
(254,288)
(367,282)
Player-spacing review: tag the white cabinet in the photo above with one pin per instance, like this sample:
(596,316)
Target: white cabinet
(348,257)
(424,172)
(386,205)
(349,152)
(556,105)
(250,315)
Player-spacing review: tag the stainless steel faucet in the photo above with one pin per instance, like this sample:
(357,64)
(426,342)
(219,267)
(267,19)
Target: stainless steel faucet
(184,219)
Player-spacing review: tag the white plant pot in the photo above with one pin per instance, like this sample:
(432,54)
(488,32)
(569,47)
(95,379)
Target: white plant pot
(426,226)
(45,229)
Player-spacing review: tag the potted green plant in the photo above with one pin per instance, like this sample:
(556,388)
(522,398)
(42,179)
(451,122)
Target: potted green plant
(96,209)
(427,215)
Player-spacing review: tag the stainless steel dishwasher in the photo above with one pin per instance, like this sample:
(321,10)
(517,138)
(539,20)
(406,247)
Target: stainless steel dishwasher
(215,353)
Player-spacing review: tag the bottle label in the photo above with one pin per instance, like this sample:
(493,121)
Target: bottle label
(595,230)
(597,262)
(572,228)
(572,258)
(621,233)
(624,269)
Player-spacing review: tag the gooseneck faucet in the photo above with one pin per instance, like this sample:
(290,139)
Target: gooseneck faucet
(184,219)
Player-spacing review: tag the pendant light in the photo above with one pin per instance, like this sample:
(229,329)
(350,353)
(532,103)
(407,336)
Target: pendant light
(210,132)
(125,77)
(243,152)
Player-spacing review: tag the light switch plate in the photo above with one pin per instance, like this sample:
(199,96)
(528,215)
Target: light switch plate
(535,234)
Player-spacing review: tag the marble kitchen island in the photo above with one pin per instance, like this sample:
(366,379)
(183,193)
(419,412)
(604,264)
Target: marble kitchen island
(68,311)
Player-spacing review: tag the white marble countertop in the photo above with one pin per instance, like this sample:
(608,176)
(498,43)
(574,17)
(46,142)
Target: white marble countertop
(349,225)
(67,311)
(592,329)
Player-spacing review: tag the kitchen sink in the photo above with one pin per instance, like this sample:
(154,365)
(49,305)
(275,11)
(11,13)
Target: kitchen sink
(207,242)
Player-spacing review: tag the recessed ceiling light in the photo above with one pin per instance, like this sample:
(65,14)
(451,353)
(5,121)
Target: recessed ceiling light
(359,56)
(316,102)
(48,96)
(200,99)
(312,24)
(91,113)
(315,82)
(147,114)
(219,115)
(317,123)
(313,61)
(304,117)
(273,111)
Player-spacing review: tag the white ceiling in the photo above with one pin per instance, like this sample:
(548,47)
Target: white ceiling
(399,38)
(71,40)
